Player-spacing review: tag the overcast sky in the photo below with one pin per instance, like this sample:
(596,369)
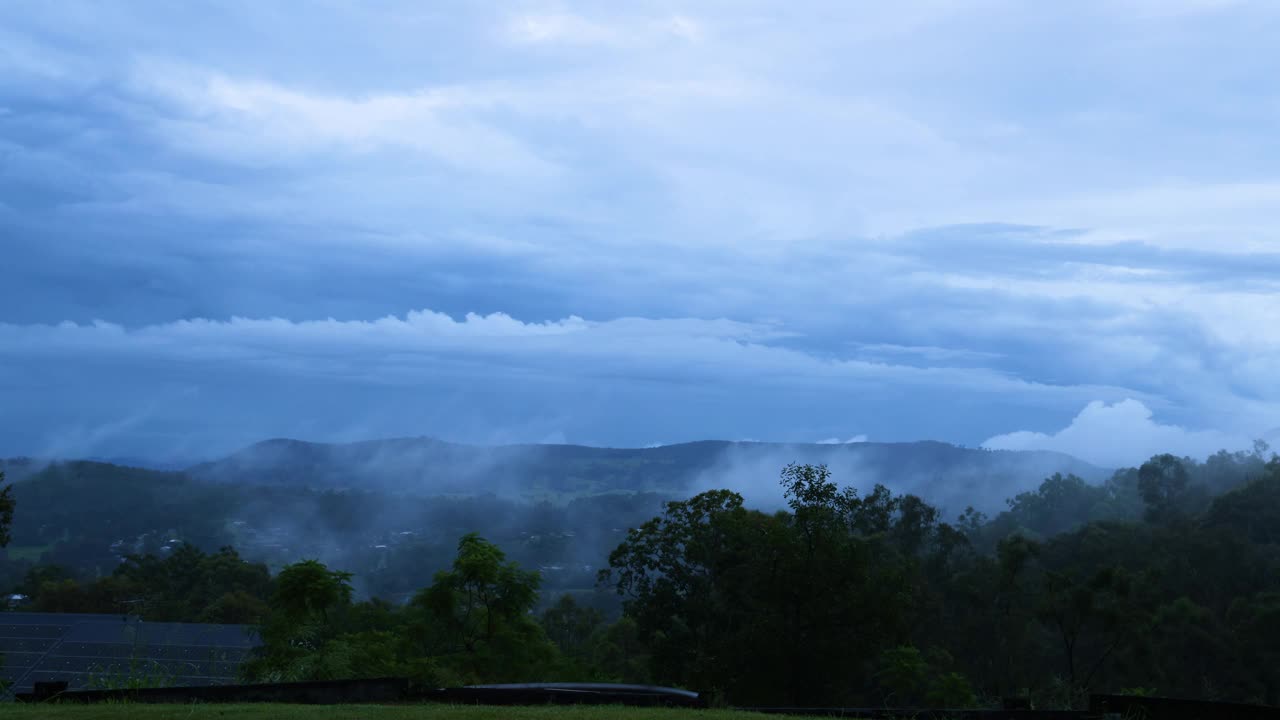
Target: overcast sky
(1019,224)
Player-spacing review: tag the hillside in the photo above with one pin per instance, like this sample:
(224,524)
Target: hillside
(393,510)
(945,474)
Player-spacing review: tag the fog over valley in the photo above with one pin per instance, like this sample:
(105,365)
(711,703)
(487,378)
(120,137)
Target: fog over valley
(918,354)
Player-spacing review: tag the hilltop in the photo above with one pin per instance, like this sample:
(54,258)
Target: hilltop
(942,473)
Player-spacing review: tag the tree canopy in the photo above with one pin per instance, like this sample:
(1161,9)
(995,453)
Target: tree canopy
(1165,579)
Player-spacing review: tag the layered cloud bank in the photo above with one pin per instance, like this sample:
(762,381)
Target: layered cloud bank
(495,378)
(638,224)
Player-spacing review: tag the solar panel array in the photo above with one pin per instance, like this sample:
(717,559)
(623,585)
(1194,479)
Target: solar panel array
(101,651)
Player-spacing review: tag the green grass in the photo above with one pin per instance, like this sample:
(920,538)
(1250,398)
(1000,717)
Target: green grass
(27,552)
(266,711)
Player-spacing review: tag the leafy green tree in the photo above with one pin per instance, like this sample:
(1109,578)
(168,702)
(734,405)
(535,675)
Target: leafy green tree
(300,636)
(911,678)
(186,584)
(308,590)
(619,653)
(1253,510)
(39,575)
(842,598)
(235,608)
(1188,650)
(903,673)
(574,629)
(1255,627)
(1011,580)
(62,596)
(689,579)
(478,616)
(971,522)
(1090,615)
(1164,483)
(790,607)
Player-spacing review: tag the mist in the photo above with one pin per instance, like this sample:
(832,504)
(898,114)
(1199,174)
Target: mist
(392,510)
(948,477)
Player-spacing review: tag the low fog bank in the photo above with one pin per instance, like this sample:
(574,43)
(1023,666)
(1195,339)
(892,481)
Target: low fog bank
(392,511)
(557,509)
(425,466)
(948,477)
(20,468)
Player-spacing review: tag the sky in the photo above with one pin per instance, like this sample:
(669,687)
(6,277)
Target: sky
(1003,224)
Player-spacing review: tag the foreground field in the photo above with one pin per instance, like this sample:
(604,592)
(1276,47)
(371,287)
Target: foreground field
(264,711)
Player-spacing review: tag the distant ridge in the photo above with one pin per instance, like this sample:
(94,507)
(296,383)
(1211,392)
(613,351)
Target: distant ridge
(938,471)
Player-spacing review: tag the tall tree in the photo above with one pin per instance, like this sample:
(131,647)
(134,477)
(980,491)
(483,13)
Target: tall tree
(1163,482)
(478,616)
(791,607)
(307,591)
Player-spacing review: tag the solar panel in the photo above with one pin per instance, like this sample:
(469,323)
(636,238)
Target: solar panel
(92,650)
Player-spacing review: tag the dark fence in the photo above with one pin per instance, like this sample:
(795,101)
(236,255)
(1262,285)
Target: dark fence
(566,694)
(325,692)
(380,690)
(1156,708)
(398,690)
(927,713)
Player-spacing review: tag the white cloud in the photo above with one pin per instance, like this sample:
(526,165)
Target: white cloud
(685,27)
(838,441)
(1172,9)
(1231,217)
(402,349)
(1123,434)
(256,121)
(929,353)
(560,27)
(567,28)
(556,437)
(738,162)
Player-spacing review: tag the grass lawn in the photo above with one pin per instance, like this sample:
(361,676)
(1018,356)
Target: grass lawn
(265,711)
(27,552)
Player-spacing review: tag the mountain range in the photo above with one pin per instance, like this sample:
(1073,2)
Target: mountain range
(944,474)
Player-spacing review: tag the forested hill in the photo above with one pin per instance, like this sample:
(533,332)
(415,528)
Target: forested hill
(393,510)
(943,473)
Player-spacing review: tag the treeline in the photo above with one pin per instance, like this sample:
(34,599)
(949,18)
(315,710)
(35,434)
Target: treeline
(475,622)
(187,585)
(1165,579)
(84,517)
(870,599)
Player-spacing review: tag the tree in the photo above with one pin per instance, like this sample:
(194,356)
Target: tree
(1189,648)
(300,638)
(235,608)
(478,616)
(7,505)
(709,584)
(1163,482)
(1253,510)
(1255,622)
(1091,615)
(783,608)
(307,590)
(572,627)
(620,654)
(914,679)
